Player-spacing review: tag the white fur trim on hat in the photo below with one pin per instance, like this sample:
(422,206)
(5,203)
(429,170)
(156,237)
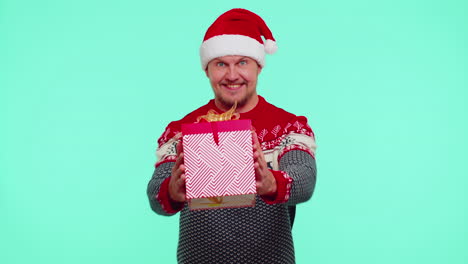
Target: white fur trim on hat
(223,45)
(270,46)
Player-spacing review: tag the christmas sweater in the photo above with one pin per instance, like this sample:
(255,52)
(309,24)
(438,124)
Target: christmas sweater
(260,234)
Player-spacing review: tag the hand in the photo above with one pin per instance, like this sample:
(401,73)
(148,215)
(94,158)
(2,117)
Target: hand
(177,181)
(266,183)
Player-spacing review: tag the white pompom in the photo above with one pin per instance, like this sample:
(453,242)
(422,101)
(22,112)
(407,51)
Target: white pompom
(270,46)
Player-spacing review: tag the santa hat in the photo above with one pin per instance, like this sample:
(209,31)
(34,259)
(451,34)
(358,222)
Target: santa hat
(237,32)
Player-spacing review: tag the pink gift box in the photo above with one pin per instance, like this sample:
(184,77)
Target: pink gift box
(219,166)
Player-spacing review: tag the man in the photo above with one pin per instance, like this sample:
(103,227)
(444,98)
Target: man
(232,56)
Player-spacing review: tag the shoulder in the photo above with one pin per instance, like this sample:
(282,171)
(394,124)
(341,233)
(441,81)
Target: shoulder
(280,131)
(275,122)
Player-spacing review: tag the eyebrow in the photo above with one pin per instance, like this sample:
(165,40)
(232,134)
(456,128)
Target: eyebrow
(241,59)
(223,61)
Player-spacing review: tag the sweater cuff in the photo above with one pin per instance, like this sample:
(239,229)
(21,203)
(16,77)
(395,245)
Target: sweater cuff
(283,188)
(167,204)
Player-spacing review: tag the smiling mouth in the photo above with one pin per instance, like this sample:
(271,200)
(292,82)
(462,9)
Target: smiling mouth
(233,86)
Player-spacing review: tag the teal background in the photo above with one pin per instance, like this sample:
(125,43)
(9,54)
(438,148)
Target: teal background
(87,87)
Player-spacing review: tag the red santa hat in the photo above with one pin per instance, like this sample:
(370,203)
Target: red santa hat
(237,32)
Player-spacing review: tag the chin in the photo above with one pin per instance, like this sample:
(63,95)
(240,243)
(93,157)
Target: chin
(228,103)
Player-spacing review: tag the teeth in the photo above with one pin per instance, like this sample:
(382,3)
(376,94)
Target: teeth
(233,85)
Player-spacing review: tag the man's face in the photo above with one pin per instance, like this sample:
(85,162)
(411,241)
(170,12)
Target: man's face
(234,78)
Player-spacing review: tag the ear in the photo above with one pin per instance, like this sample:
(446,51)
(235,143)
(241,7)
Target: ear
(206,70)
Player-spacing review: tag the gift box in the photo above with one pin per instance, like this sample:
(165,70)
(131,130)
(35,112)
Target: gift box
(219,167)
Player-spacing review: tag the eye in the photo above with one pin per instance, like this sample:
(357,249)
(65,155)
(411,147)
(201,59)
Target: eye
(220,64)
(243,62)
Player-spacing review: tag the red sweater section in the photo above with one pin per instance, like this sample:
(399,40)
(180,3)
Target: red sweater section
(279,123)
(269,122)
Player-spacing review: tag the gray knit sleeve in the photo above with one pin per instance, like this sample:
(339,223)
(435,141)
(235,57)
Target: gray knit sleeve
(301,167)
(162,172)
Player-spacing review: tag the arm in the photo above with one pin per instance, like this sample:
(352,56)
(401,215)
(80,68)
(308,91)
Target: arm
(295,171)
(166,189)
(158,191)
(301,167)
(295,180)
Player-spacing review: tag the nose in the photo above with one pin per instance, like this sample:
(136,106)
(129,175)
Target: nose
(232,74)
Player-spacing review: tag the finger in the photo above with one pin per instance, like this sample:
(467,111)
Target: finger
(180,197)
(181,181)
(256,144)
(177,170)
(179,160)
(179,147)
(259,171)
(256,154)
(182,178)
(255,139)
(181,188)
(256,166)
(259,157)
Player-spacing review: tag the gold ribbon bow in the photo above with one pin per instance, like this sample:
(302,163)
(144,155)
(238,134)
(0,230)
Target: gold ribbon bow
(213,116)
